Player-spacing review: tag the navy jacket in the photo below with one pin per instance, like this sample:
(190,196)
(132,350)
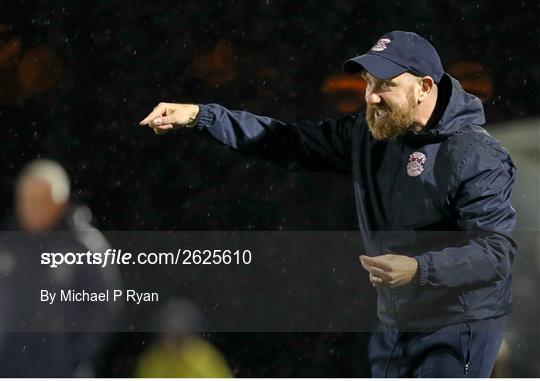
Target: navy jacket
(441,196)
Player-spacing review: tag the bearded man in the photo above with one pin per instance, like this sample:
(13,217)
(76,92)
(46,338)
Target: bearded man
(433,192)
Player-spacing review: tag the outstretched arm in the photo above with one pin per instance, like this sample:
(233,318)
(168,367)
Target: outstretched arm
(324,145)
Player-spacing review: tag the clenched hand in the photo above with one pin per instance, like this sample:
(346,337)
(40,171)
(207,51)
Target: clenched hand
(168,116)
(390,270)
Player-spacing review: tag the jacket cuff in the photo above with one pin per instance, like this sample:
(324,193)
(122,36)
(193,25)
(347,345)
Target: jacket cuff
(206,117)
(423,268)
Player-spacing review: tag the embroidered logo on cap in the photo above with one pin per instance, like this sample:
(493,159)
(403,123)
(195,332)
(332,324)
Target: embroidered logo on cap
(415,166)
(381,44)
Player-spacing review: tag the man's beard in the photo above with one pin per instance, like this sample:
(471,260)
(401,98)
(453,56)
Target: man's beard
(397,121)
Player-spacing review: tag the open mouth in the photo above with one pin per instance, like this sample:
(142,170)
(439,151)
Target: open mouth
(380,113)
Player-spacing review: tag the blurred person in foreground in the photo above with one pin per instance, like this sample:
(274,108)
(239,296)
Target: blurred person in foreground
(178,350)
(38,339)
(433,193)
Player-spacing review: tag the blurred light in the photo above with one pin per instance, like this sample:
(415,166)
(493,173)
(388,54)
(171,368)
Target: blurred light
(474,77)
(39,69)
(345,92)
(218,66)
(9,52)
(11,93)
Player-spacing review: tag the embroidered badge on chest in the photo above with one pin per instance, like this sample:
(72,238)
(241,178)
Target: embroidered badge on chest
(415,166)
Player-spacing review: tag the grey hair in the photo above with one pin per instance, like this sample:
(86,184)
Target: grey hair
(52,173)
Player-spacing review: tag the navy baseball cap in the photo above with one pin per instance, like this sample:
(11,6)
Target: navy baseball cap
(398,52)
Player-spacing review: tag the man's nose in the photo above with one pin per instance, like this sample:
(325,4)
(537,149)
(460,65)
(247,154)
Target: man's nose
(372,98)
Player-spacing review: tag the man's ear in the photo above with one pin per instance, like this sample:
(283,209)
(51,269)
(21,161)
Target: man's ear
(425,87)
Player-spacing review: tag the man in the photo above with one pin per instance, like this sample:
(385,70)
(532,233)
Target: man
(432,187)
(38,339)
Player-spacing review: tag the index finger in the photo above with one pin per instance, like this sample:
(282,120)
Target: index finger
(376,262)
(157,111)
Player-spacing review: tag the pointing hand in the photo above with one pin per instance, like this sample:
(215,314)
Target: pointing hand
(169,116)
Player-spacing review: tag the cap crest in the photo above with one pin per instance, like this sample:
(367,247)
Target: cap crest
(381,44)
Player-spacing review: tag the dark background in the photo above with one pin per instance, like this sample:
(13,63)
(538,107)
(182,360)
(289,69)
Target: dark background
(114,61)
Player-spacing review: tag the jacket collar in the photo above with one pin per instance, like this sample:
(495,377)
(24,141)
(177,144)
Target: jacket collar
(457,109)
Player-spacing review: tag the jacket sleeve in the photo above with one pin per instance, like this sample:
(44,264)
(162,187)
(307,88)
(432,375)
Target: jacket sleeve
(321,146)
(487,219)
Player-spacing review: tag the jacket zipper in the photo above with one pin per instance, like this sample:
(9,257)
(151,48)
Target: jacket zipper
(467,362)
(467,354)
(389,227)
